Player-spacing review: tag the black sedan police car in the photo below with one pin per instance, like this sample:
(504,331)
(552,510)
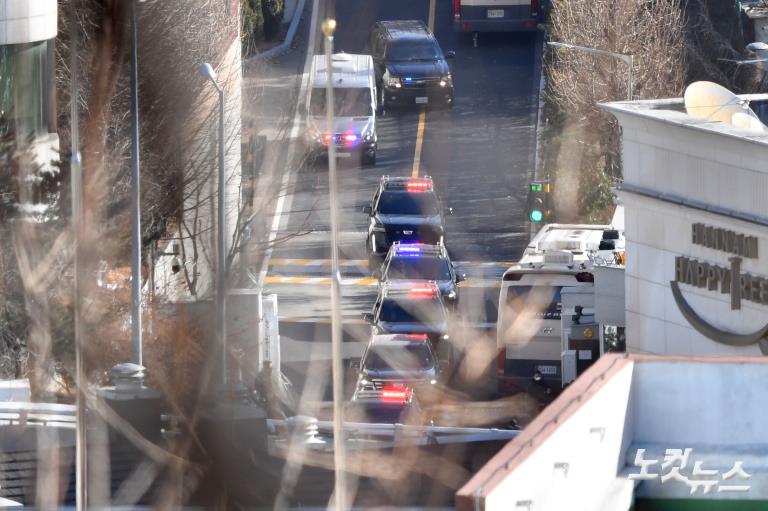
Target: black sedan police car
(410,308)
(403,209)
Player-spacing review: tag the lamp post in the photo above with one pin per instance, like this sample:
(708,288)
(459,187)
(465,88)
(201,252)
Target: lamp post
(76,186)
(135,199)
(207,71)
(629,60)
(339,490)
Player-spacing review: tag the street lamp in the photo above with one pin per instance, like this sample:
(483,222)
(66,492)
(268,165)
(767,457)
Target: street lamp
(627,59)
(329,27)
(760,49)
(207,71)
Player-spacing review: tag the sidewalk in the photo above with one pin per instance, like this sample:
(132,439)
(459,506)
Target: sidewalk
(270,95)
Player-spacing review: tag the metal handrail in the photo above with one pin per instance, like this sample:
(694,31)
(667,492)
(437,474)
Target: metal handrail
(39,414)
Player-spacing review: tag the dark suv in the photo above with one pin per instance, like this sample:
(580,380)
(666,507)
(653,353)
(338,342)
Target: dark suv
(417,261)
(403,209)
(410,66)
(410,308)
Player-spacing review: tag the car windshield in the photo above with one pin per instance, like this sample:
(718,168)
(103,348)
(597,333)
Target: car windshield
(408,203)
(407,310)
(350,102)
(542,302)
(414,268)
(405,51)
(408,357)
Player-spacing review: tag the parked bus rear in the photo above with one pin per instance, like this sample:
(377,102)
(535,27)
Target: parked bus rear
(528,329)
(497,15)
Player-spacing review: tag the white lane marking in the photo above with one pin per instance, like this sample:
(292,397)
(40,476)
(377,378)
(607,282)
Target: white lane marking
(281,201)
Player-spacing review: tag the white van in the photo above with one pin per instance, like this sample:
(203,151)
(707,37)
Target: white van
(354,90)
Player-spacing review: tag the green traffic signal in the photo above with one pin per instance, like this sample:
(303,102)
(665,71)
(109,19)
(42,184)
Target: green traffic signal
(536,215)
(537,187)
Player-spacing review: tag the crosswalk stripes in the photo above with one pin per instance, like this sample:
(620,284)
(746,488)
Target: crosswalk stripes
(364,263)
(326,281)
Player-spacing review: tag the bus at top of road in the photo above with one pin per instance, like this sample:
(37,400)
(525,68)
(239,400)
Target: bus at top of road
(528,329)
(498,15)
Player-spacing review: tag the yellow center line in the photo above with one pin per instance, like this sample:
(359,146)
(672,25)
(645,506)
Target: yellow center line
(422,114)
(419,142)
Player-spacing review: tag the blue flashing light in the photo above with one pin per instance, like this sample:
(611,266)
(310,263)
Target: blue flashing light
(408,79)
(409,249)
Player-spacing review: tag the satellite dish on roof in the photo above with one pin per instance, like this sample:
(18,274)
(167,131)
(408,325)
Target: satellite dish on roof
(714,102)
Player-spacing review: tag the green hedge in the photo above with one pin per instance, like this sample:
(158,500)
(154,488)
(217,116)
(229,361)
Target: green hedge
(273,16)
(253,25)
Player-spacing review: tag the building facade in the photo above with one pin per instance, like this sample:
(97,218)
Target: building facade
(697,231)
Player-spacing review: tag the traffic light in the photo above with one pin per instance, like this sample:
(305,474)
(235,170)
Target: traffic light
(539,208)
(539,201)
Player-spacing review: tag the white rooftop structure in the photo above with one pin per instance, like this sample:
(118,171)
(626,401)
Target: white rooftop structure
(569,245)
(583,452)
(696,214)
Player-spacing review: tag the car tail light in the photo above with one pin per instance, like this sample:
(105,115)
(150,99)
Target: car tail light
(417,337)
(395,394)
(456,9)
(421,292)
(585,276)
(501,361)
(327,138)
(534,7)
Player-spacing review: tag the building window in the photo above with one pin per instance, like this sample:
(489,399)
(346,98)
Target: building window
(24,94)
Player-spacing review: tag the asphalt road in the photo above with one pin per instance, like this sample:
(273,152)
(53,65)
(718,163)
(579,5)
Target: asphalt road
(480,154)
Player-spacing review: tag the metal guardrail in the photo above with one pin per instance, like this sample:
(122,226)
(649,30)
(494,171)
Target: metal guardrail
(14,413)
(360,435)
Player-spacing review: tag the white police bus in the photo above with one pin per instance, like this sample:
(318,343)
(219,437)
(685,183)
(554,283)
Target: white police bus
(528,329)
(497,15)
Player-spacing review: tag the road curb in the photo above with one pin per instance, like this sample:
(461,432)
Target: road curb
(286,44)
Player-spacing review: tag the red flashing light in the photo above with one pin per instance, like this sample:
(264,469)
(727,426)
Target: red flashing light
(418,185)
(417,337)
(395,394)
(327,138)
(349,137)
(421,292)
(456,9)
